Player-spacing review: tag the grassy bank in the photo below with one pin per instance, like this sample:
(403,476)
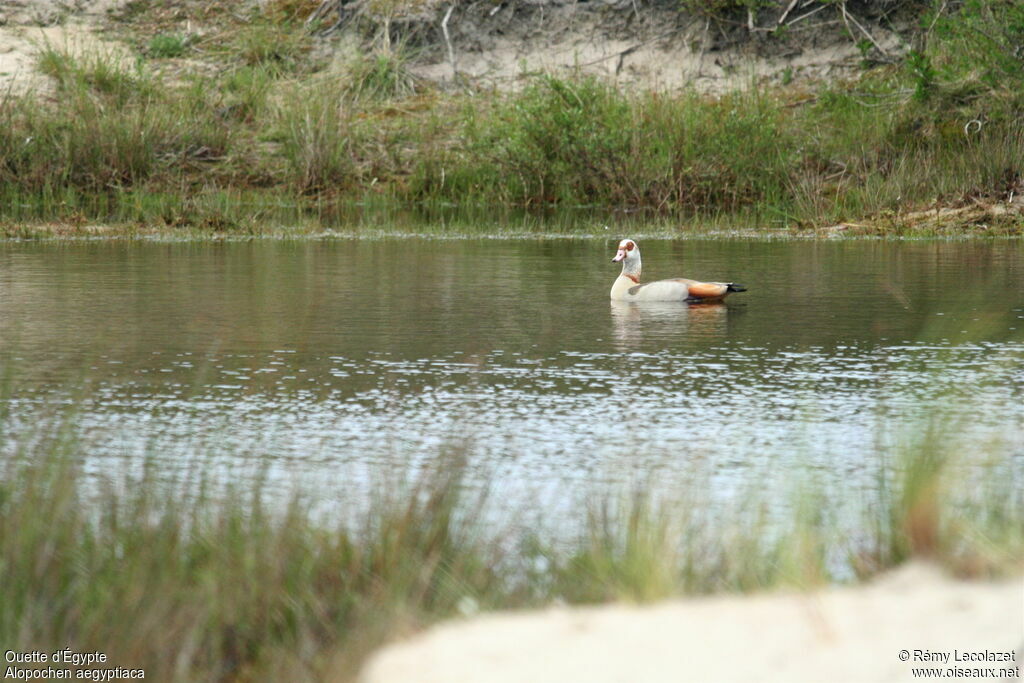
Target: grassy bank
(151,141)
(198,582)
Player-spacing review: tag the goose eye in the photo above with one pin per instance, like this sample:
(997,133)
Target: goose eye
(629,246)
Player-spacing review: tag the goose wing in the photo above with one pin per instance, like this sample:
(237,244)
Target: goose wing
(661,290)
(679,288)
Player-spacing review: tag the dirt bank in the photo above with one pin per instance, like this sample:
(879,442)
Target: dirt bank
(27,25)
(657,45)
(853,634)
(652,44)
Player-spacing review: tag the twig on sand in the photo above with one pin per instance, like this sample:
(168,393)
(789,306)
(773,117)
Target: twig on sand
(703,47)
(320,11)
(849,17)
(781,19)
(806,14)
(448,39)
(928,33)
(630,50)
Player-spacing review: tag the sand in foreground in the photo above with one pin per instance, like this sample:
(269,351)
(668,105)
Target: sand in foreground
(854,634)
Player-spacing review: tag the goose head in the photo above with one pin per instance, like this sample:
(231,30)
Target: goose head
(629,255)
(627,250)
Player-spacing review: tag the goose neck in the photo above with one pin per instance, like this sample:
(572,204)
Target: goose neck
(631,267)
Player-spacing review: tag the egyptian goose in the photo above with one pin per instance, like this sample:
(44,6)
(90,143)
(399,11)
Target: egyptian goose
(627,286)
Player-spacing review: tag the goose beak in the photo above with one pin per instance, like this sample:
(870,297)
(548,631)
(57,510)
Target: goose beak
(619,255)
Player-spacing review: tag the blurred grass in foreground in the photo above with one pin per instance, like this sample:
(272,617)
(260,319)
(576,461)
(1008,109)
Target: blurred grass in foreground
(191,585)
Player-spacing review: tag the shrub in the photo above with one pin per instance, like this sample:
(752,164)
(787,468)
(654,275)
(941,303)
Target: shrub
(584,142)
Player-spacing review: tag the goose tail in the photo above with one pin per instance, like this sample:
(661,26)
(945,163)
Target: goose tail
(735,287)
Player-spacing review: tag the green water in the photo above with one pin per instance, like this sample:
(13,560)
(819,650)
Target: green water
(332,359)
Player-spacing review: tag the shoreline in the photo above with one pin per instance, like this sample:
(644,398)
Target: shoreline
(1004,220)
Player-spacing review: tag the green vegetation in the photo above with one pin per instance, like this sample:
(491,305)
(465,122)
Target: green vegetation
(585,143)
(167,46)
(114,130)
(282,47)
(382,76)
(983,41)
(939,128)
(194,581)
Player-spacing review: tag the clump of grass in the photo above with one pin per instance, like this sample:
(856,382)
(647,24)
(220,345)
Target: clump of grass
(629,550)
(103,73)
(641,549)
(246,90)
(584,142)
(167,45)
(380,76)
(317,141)
(214,587)
(110,130)
(288,11)
(264,43)
(931,504)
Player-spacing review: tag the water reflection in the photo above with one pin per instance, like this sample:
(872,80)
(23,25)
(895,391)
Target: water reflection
(635,322)
(339,358)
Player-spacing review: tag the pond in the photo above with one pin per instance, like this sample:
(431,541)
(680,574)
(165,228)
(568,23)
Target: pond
(331,360)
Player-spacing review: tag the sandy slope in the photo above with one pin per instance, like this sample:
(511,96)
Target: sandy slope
(495,44)
(850,634)
(646,63)
(26,25)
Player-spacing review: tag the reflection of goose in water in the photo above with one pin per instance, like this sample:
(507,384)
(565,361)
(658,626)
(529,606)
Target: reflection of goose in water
(627,286)
(635,321)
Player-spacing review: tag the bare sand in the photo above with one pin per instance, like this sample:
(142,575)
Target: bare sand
(839,634)
(496,46)
(28,25)
(650,65)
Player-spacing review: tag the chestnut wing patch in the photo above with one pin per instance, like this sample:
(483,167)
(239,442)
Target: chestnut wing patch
(707,290)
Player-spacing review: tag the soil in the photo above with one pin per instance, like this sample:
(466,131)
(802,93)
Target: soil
(496,44)
(849,634)
(28,25)
(651,45)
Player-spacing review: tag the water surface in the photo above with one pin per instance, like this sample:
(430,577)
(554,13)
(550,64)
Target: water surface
(328,360)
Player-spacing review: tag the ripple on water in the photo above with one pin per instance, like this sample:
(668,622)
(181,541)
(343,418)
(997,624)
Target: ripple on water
(329,360)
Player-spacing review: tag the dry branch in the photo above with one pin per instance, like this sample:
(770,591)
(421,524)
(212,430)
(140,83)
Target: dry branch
(850,17)
(785,14)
